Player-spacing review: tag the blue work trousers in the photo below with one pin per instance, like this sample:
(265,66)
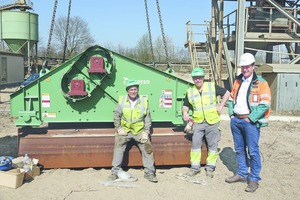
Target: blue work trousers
(246,136)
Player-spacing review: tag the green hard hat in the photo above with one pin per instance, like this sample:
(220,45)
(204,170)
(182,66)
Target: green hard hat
(198,72)
(130,83)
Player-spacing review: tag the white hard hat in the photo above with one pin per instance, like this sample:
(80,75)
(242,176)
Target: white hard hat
(246,59)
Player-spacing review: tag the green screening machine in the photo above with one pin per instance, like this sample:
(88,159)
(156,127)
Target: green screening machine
(65,117)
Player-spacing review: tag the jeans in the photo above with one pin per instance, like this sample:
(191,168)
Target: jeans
(246,136)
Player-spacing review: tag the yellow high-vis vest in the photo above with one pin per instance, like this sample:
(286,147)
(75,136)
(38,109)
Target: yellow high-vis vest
(133,119)
(204,104)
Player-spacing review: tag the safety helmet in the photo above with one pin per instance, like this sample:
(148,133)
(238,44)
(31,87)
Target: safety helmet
(246,59)
(5,163)
(197,72)
(130,83)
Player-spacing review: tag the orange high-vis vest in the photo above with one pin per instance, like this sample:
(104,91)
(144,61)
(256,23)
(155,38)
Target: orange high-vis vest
(258,99)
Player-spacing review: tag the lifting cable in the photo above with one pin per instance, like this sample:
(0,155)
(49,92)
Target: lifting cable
(149,30)
(67,30)
(51,29)
(163,36)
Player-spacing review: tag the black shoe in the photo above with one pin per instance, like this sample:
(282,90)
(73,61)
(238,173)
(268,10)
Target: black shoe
(252,186)
(235,179)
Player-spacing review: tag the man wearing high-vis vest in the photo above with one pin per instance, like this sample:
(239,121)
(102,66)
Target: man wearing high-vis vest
(132,121)
(201,99)
(249,109)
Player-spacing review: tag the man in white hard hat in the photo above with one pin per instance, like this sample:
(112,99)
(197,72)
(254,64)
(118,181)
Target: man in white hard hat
(201,98)
(249,109)
(132,121)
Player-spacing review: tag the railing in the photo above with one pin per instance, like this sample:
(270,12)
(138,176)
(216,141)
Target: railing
(270,20)
(262,19)
(195,32)
(229,24)
(201,49)
(12,4)
(195,42)
(215,74)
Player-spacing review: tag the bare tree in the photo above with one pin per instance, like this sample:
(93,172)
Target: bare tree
(79,36)
(143,51)
(181,55)
(160,51)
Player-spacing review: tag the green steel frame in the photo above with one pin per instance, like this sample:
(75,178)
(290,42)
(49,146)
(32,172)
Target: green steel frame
(48,99)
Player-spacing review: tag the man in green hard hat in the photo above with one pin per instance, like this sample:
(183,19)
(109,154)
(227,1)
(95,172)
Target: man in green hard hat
(201,99)
(132,121)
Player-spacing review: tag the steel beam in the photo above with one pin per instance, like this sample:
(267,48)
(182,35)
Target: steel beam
(240,31)
(83,148)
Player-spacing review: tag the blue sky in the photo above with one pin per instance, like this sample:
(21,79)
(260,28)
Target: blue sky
(123,22)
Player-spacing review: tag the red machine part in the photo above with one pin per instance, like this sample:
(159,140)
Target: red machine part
(96,65)
(77,88)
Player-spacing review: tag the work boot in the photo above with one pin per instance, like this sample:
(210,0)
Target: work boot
(210,173)
(252,186)
(112,177)
(151,177)
(235,178)
(192,173)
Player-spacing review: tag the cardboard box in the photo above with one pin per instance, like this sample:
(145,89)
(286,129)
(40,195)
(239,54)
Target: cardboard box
(12,178)
(18,162)
(36,171)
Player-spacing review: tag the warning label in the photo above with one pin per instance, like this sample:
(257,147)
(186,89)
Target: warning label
(45,100)
(49,115)
(165,100)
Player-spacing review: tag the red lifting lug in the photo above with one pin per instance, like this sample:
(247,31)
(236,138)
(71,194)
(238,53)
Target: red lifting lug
(96,65)
(77,88)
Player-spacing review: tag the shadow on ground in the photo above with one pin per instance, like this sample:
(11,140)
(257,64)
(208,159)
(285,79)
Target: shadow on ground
(9,146)
(228,158)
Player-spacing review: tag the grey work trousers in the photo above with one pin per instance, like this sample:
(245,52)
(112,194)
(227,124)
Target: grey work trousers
(121,143)
(212,135)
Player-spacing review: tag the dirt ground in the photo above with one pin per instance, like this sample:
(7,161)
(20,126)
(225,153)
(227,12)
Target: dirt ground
(279,145)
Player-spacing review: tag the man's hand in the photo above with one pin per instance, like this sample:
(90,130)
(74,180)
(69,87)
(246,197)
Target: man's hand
(219,109)
(189,128)
(144,137)
(185,114)
(121,131)
(186,117)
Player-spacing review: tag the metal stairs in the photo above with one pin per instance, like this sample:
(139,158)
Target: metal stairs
(202,54)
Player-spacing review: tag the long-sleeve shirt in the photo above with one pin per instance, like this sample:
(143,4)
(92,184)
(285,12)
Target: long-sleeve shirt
(118,114)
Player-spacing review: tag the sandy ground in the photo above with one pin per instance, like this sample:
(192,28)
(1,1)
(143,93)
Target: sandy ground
(280,174)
